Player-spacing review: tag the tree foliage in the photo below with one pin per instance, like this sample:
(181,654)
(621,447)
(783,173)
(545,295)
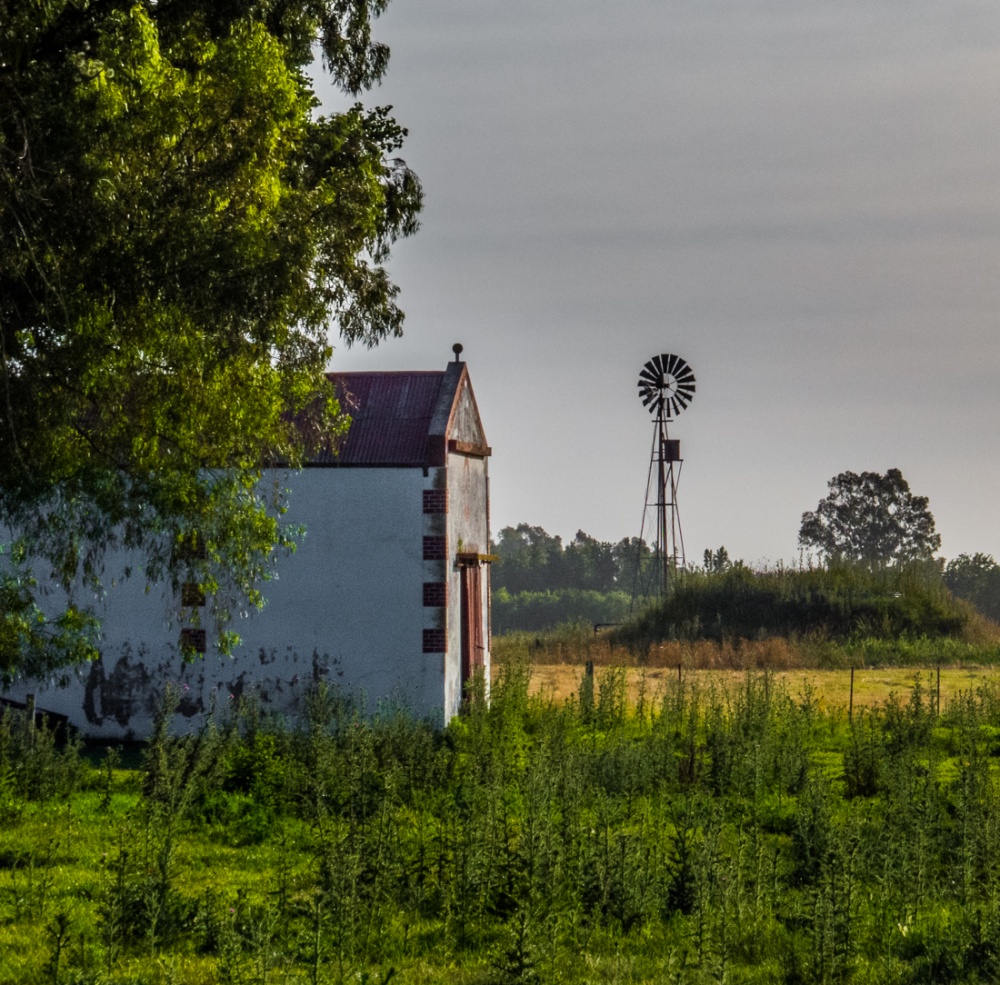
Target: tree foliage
(717,561)
(533,560)
(871,519)
(976,579)
(180,232)
(540,583)
(538,612)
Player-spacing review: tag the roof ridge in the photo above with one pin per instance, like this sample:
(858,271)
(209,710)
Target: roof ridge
(385,372)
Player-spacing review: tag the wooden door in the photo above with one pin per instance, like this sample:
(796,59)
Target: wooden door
(473,636)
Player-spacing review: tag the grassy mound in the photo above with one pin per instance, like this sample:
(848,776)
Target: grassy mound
(836,603)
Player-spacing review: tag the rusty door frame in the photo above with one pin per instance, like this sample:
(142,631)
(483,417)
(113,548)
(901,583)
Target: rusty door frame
(472,631)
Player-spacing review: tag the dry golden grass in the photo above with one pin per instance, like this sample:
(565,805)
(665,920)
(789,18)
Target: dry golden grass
(776,653)
(831,688)
(979,630)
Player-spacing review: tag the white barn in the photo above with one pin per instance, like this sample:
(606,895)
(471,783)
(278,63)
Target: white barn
(387,595)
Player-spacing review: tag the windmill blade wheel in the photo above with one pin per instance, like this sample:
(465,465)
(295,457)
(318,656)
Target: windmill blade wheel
(666,384)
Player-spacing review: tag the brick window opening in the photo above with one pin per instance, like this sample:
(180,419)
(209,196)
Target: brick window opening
(190,547)
(435,500)
(435,549)
(193,640)
(191,595)
(435,594)
(435,641)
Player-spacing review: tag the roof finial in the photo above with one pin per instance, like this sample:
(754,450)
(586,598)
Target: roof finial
(457,349)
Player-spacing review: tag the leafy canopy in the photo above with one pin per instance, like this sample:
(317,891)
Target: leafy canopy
(976,578)
(180,232)
(533,560)
(871,519)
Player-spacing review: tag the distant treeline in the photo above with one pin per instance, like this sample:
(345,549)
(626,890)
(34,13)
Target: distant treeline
(535,612)
(539,583)
(532,560)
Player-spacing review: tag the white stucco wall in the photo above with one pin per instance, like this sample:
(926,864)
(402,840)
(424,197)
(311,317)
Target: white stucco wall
(351,596)
(346,607)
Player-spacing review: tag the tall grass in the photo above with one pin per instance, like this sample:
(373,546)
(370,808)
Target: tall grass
(580,645)
(705,834)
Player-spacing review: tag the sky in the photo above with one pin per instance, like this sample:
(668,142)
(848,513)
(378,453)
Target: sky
(801,200)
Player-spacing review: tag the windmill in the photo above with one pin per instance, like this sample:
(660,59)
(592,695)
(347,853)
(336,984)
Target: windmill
(666,387)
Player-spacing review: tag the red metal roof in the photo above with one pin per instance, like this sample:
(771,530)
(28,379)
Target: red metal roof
(390,414)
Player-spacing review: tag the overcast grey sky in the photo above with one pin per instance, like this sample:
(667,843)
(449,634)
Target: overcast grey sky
(801,199)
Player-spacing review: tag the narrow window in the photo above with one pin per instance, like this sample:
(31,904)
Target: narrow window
(193,640)
(190,547)
(191,595)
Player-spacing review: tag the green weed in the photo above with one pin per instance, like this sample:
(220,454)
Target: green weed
(739,835)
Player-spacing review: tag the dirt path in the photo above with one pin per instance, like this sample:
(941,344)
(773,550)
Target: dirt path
(830,687)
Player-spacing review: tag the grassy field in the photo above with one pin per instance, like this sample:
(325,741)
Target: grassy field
(722,828)
(815,664)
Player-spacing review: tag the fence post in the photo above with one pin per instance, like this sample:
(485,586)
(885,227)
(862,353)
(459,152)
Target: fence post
(850,705)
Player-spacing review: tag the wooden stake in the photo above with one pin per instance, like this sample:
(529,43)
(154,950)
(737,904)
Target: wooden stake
(30,701)
(850,705)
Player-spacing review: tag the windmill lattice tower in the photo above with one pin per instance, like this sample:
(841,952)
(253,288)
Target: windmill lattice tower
(666,387)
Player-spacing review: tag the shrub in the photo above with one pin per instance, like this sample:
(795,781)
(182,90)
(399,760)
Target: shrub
(837,602)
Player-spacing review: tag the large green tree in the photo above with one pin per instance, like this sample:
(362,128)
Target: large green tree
(871,519)
(180,233)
